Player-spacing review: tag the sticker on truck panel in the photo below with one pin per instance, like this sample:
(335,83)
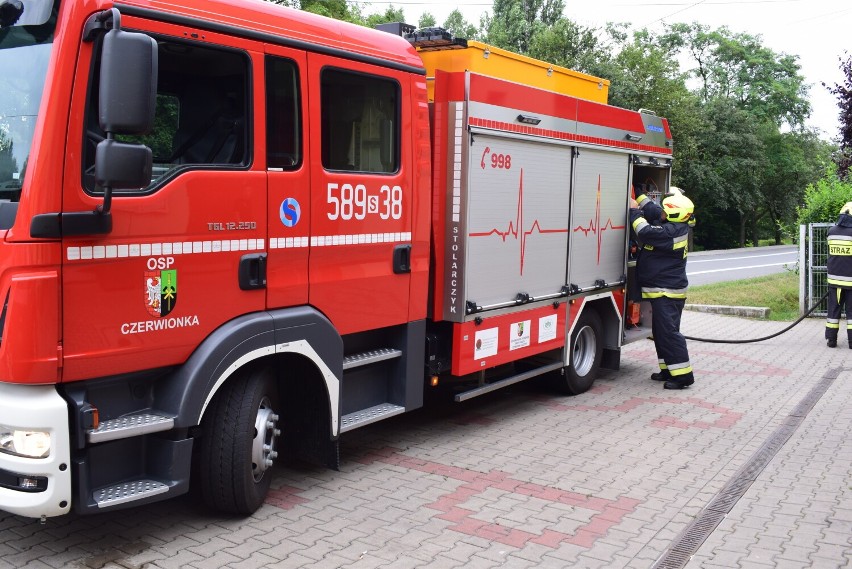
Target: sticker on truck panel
(519,335)
(290,212)
(160,292)
(355,201)
(485,343)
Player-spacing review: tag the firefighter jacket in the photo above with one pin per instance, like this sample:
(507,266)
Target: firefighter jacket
(839,266)
(661,266)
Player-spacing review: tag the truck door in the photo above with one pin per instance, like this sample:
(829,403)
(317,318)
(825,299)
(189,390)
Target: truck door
(287,165)
(598,217)
(361,200)
(186,254)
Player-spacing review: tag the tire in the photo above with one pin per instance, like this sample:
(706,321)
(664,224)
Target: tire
(238,444)
(586,351)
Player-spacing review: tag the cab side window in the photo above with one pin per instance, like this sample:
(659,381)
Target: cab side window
(283,112)
(202,113)
(360,122)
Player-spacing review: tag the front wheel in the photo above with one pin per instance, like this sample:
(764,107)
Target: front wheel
(238,447)
(586,351)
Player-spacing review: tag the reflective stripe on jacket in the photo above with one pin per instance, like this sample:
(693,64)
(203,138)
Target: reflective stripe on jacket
(839,265)
(661,266)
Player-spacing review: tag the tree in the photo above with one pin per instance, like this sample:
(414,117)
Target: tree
(427,20)
(843,92)
(739,68)
(824,198)
(569,45)
(515,22)
(390,15)
(459,27)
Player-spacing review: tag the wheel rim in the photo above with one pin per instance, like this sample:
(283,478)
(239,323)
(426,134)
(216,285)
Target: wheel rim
(585,347)
(263,453)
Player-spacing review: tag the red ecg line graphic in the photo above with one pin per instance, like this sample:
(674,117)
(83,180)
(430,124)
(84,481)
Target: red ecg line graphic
(516,227)
(594,224)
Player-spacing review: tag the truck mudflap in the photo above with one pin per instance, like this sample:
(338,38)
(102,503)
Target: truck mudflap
(35,487)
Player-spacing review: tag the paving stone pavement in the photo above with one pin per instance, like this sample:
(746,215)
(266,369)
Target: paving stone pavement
(526,478)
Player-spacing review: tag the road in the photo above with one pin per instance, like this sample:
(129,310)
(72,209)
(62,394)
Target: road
(706,267)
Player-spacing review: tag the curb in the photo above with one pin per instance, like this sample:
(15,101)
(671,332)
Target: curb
(744,311)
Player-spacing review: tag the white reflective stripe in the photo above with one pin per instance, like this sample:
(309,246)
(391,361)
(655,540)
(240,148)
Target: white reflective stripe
(288,242)
(651,290)
(682,238)
(839,278)
(227,245)
(160,249)
(639,224)
(839,238)
(833,320)
(673,367)
(359,239)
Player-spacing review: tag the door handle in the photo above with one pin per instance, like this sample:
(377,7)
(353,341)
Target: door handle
(252,271)
(402,259)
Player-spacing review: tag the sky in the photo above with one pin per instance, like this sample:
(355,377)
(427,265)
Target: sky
(817,31)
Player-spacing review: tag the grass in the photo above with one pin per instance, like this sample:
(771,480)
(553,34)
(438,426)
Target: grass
(780,292)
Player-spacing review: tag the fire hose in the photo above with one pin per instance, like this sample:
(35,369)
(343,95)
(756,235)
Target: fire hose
(805,315)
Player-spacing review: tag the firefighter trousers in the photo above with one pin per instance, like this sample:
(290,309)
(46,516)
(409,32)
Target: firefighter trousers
(837,298)
(668,341)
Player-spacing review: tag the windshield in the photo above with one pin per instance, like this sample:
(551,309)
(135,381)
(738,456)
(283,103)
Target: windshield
(26,35)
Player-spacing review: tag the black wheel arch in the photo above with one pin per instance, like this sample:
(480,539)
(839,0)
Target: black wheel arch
(240,342)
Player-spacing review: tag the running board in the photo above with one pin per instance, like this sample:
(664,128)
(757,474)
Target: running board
(128,492)
(371,357)
(488,388)
(369,415)
(130,426)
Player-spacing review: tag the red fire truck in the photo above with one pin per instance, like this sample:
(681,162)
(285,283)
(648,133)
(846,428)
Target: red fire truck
(231,231)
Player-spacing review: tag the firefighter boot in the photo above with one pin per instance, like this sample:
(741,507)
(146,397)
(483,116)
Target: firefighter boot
(679,383)
(831,342)
(664,375)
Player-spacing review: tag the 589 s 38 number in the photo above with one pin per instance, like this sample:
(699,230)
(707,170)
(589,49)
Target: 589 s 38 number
(356,202)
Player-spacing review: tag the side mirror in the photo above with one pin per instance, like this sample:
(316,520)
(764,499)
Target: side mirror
(122,166)
(128,83)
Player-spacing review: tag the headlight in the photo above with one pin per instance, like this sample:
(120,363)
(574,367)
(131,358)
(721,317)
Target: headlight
(20,442)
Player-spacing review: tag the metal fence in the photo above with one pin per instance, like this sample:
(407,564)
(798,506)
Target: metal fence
(813,248)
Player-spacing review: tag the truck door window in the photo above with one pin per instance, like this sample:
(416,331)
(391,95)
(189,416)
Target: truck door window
(360,122)
(283,112)
(202,114)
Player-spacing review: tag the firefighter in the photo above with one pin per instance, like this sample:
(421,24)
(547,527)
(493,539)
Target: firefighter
(839,268)
(661,272)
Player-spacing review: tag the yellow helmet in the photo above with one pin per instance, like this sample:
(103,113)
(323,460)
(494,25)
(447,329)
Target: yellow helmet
(847,208)
(678,208)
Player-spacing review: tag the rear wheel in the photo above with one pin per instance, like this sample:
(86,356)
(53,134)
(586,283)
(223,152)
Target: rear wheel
(586,351)
(238,447)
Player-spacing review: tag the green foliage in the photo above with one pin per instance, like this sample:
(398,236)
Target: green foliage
(459,27)
(390,15)
(515,22)
(427,20)
(824,198)
(843,92)
(570,45)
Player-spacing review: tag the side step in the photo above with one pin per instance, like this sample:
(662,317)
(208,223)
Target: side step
(489,387)
(128,492)
(371,357)
(130,426)
(369,415)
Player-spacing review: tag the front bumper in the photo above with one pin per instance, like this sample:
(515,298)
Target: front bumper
(37,407)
